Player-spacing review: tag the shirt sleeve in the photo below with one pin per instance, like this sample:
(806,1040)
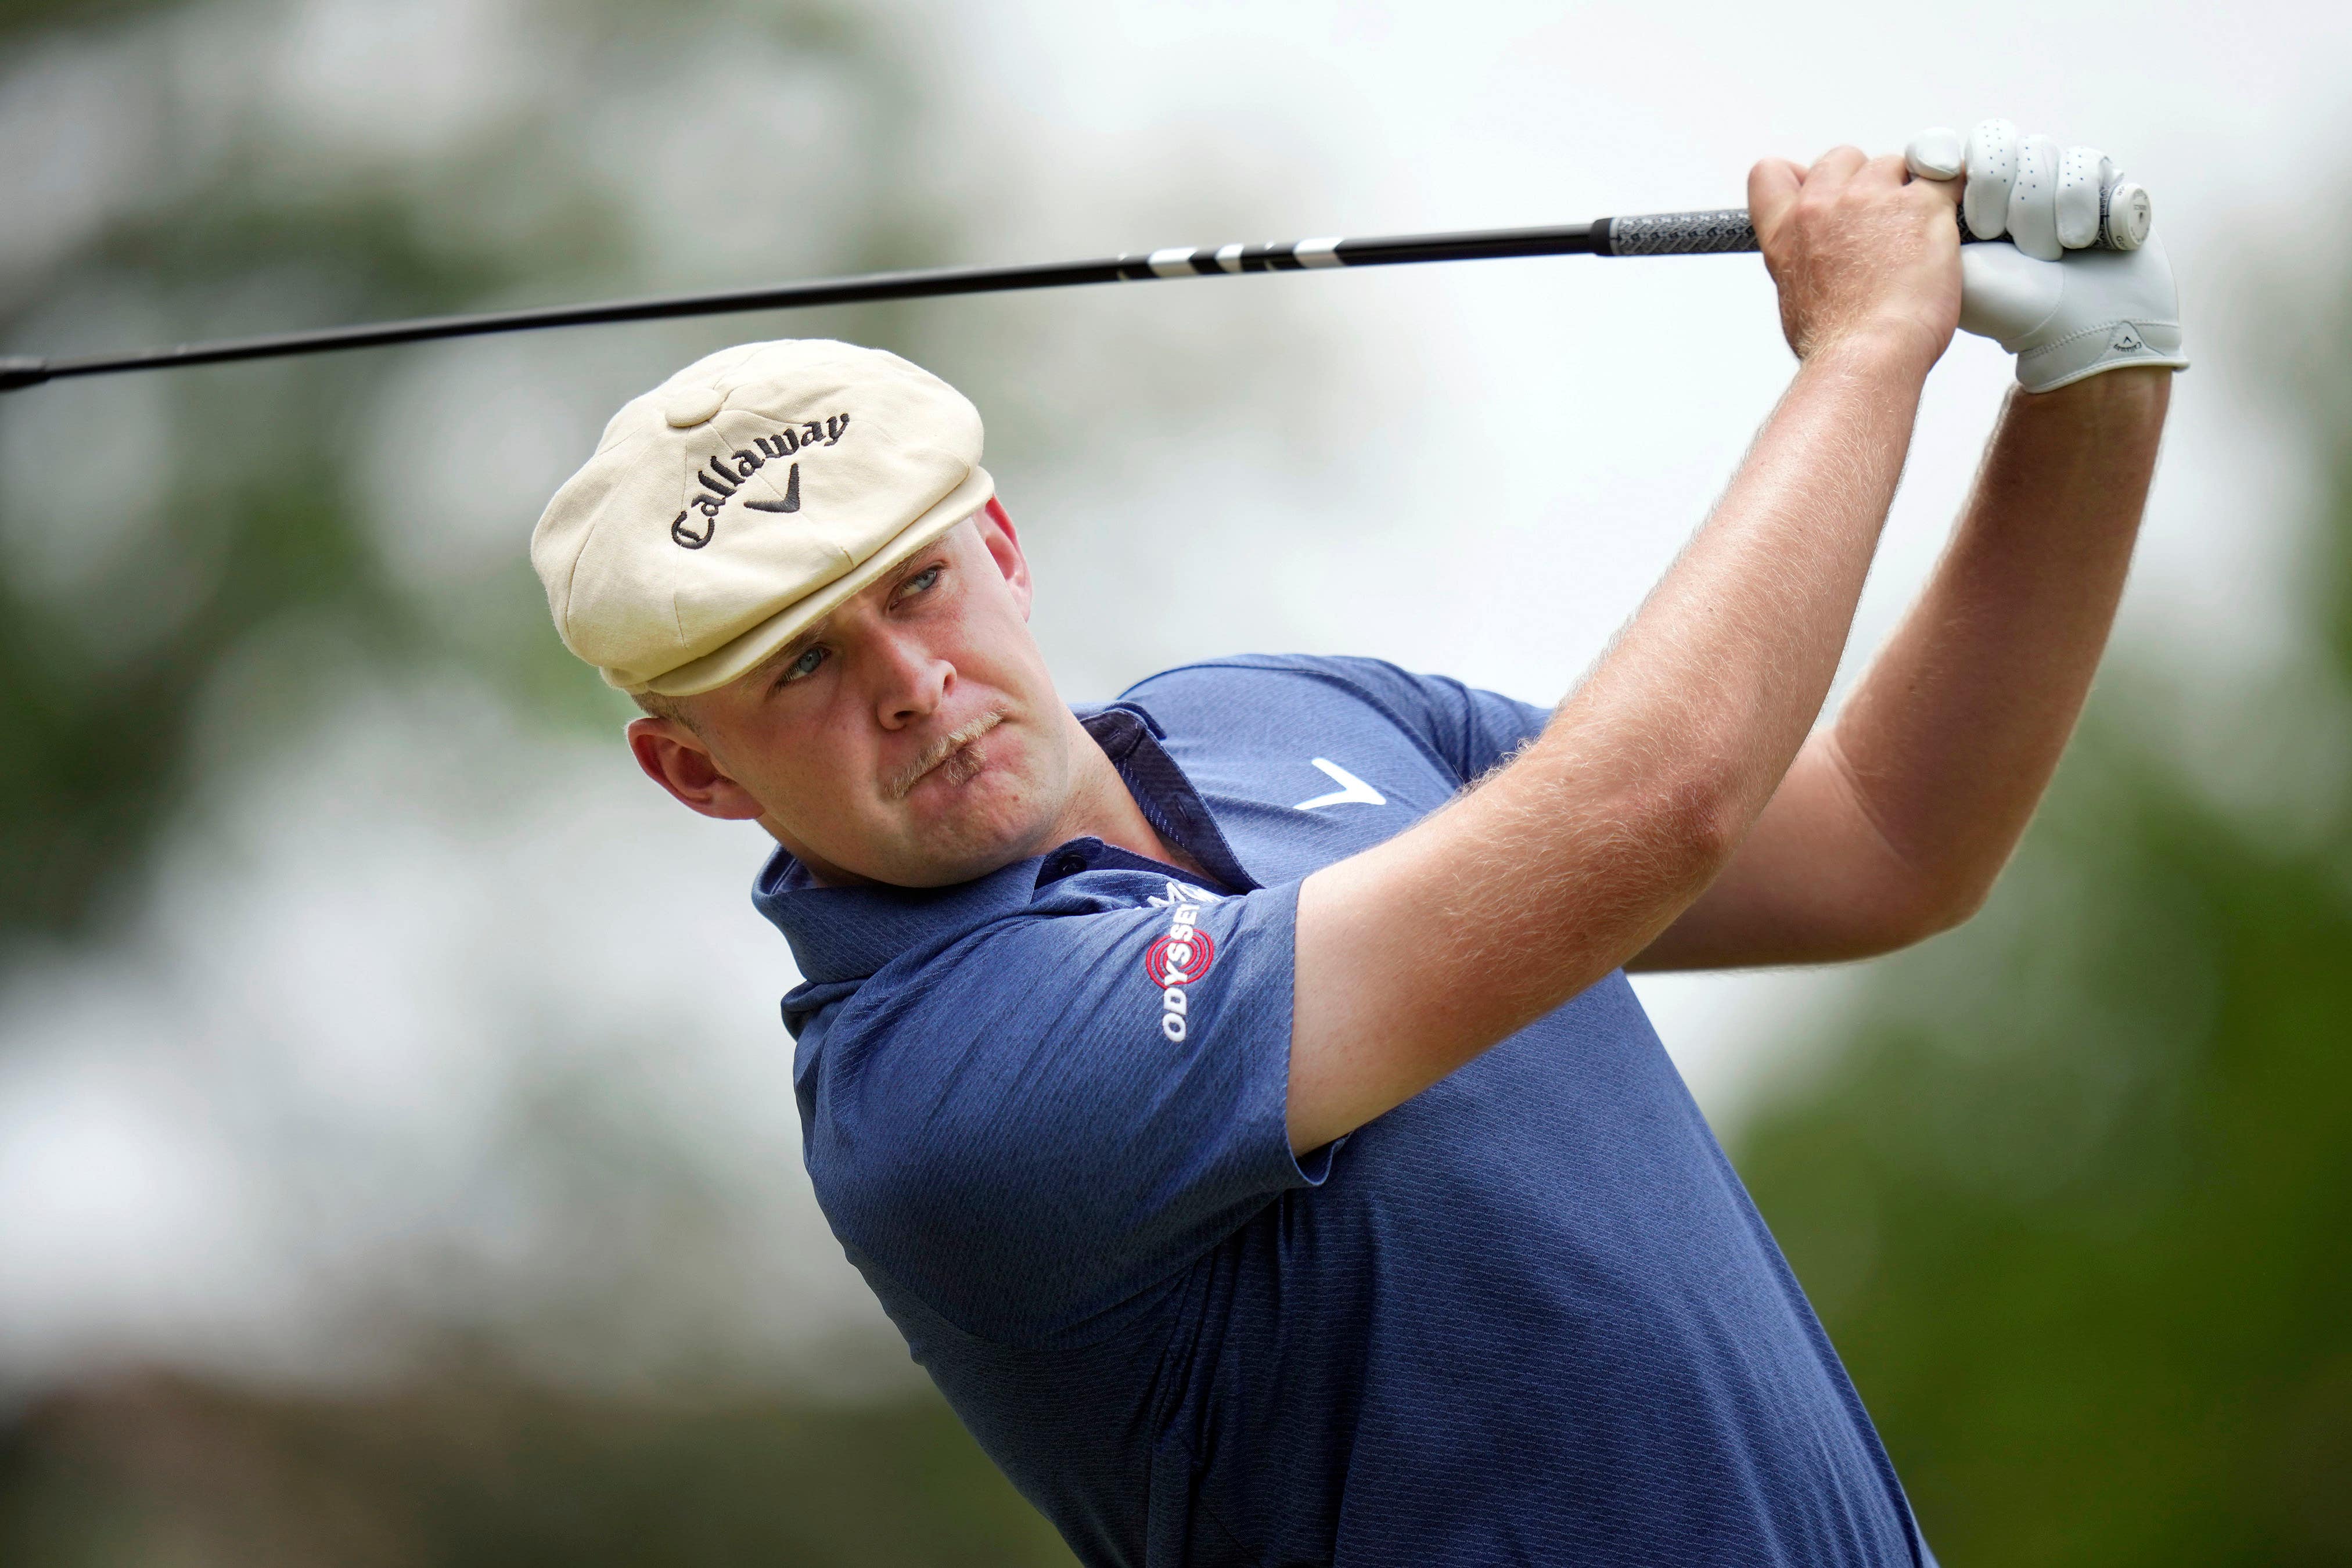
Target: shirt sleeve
(1065,1108)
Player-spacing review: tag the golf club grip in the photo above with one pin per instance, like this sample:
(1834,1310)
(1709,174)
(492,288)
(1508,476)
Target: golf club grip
(1727,229)
(1712,233)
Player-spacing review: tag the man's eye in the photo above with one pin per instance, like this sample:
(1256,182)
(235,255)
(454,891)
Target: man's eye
(804,665)
(921,582)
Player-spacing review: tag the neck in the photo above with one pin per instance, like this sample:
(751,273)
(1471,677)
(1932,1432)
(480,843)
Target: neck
(1101,806)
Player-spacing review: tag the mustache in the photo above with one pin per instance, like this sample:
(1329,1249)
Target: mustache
(938,752)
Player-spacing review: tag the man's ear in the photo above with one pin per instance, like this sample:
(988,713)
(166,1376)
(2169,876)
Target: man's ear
(1004,546)
(676,758)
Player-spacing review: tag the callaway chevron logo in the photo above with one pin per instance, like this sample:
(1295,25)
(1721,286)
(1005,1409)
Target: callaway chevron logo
(724,476)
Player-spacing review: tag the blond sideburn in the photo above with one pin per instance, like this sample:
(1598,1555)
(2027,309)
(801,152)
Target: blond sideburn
(653,705)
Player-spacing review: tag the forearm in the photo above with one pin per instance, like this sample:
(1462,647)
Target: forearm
(1571,860)
(1891,824)
(1683,731)
(1949,741)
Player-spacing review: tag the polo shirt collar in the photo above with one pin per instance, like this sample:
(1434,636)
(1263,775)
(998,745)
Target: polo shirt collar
(844,934)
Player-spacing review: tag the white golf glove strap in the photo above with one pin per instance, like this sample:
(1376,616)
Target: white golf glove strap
(2096,311)
(2064,310)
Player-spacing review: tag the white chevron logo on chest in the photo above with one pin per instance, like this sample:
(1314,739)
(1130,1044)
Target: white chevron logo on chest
(1352,791)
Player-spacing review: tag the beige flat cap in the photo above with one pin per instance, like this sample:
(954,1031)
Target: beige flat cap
(745,499)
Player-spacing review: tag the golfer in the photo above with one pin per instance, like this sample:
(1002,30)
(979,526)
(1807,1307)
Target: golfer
(1234,1093)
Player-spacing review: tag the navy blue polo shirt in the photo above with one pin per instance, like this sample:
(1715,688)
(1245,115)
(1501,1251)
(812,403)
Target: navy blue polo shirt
(1529,1316)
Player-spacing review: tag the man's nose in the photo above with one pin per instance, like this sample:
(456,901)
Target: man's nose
(911,682)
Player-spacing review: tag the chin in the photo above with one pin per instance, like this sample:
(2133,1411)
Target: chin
(980,824)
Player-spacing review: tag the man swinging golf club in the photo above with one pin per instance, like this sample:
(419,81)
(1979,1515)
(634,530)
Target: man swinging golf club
(1234,1094)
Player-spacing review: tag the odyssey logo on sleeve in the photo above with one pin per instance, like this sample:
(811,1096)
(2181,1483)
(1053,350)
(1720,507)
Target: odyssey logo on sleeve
(1180,955)
(1180,892)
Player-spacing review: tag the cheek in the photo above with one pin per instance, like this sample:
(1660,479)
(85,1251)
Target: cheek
(801,767)
(993,648)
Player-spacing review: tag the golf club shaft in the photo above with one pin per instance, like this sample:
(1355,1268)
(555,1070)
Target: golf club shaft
(1665,234)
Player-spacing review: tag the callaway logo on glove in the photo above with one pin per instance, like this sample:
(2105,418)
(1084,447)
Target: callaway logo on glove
(2082,285)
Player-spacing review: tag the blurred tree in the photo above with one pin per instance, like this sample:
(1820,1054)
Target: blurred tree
(479,1471)
(182,203)
(197,552)
(2075,1194)
(24,19)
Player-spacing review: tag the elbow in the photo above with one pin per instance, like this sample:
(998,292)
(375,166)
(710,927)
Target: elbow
(1955,899)
(1931,902)
(1694,827)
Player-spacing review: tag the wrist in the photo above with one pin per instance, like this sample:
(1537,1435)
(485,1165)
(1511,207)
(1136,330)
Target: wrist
(1885,348)
(2124,398)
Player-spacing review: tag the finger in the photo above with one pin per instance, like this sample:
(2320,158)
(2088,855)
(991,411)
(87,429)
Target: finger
(2033,200)
(1884,170)
(2130,214)
(1772,187)
(1936,153)
(1944,192)
(1837,165)
(1993,170)
(2083,176)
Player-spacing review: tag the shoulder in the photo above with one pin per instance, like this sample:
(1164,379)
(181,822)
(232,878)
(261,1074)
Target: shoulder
(1368,683)
(1334,670)
(1266,694)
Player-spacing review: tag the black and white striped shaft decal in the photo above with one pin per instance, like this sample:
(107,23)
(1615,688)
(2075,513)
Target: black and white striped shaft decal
(1665,234)
(1293,256)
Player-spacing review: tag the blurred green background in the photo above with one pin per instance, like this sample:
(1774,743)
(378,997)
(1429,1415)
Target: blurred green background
(2072,1187)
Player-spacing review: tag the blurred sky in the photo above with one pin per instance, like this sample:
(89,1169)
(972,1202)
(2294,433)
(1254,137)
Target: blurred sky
(277,1101)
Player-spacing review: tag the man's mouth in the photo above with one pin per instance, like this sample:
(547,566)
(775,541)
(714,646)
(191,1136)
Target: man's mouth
(948,752)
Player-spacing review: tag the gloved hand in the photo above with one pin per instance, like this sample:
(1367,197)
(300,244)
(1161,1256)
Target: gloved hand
(2097,309)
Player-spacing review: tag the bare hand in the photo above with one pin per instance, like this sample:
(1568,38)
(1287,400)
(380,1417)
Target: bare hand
(1860,252)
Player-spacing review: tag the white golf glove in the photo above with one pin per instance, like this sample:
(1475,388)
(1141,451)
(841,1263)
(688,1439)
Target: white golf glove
(2083,286)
